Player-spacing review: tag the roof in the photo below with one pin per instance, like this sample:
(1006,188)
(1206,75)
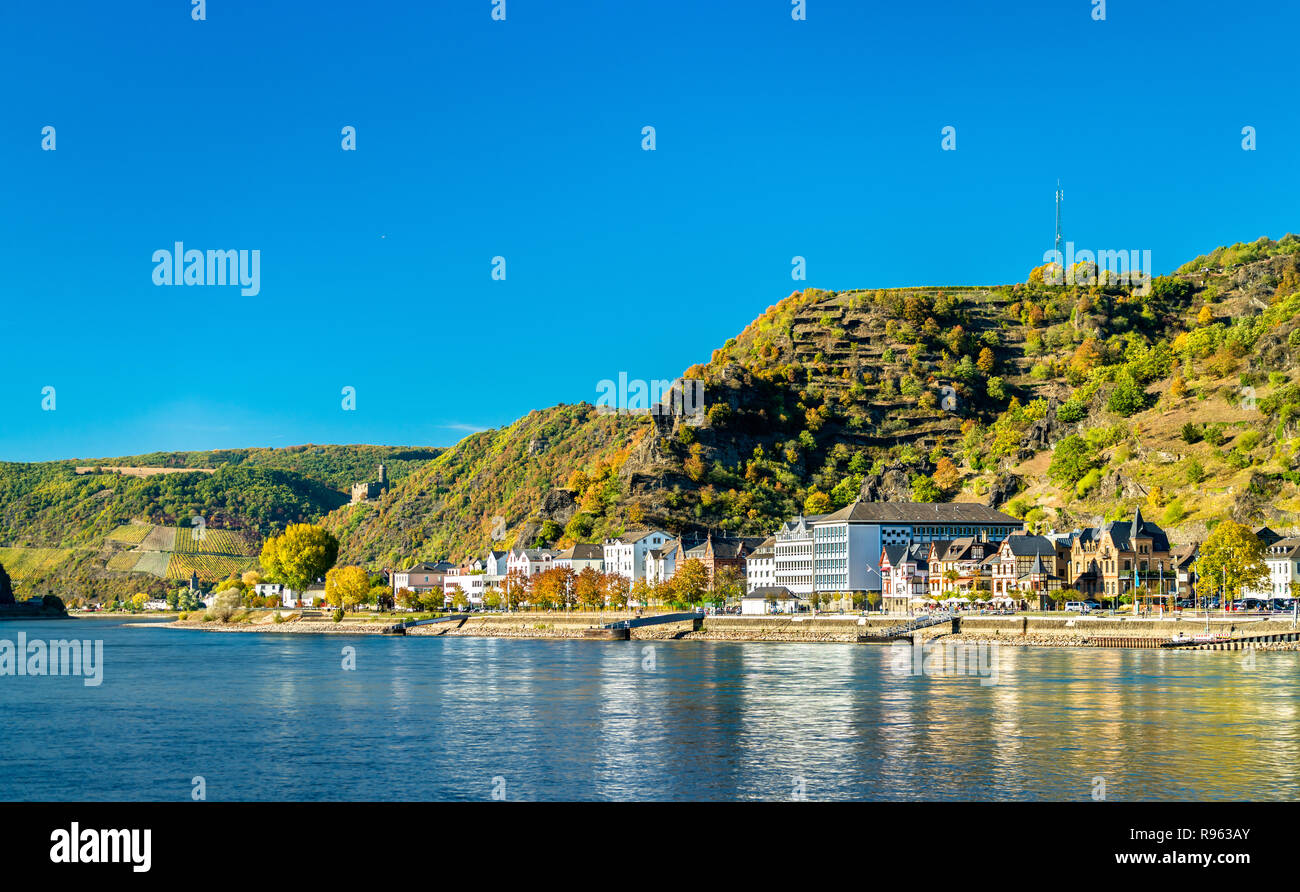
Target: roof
(920,512)
(430,567)
(762,593)
(581,552)
(1029,546)
(636,536)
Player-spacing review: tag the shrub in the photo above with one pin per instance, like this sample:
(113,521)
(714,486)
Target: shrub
(1071,410)
(1128,398)
(1192,433)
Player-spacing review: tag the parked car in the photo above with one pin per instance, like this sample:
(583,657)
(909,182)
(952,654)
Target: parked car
(1076,607)
(1092,605)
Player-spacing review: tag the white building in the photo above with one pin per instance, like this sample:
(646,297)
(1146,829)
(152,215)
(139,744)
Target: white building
(497,565)
(1283,560)
(792,555)
(472,580)
(847,544)
(529,561)
(582,557)
(626,554)
(288,597)
(760,566)
(772,599)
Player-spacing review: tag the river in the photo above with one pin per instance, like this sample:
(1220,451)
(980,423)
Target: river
(277,717)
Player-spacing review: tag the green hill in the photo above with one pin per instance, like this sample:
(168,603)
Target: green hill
(65,532)
(914,393)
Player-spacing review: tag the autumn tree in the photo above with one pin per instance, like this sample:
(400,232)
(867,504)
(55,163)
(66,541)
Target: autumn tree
(549,589)
(346,587)
(589,588)
(728,585)
(300,555)
(986,361)
(1231,558)
(946,476)
(640,592)
(691,581)
(617,590)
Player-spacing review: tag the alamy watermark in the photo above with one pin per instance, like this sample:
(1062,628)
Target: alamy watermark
(636,396)
(1082,267)
(940,659)
(193,267)
(39,658)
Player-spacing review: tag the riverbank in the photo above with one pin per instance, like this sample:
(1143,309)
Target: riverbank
(1015,631)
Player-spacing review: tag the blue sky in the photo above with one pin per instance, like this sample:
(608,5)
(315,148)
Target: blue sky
(522,139)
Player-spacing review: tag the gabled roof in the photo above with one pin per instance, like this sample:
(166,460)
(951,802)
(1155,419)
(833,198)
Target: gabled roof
(430,567)
(920,512)
(1028,546)
(780,592)
(893,554)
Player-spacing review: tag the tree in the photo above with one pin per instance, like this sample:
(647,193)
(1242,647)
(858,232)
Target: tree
(1071,460)
(986,361)
(640,592)
(617,590)
(138,600)
(407,599)
(226,603)
(300,555)
(552,588)
(728,585)
(6,587)
(1232,559)
(589,588)
(691,581)
(946,476)
(925,490)
(1128,397)
(346,587)
(817,503)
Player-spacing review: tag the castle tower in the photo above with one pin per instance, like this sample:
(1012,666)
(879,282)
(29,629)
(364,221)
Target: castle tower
(383,478)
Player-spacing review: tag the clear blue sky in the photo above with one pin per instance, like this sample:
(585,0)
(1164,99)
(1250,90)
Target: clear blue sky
(523,139)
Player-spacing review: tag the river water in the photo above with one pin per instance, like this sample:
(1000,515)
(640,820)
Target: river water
(278,717)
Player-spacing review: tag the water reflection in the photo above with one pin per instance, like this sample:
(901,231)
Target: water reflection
(278,717)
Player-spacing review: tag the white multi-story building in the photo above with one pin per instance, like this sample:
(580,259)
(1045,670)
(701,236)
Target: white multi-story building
(582,557)
(497,565)
(1283,560)
(847,544)
(626,554)
(661,563)
(792,555)
(760,566)
(472,580)
(529,561)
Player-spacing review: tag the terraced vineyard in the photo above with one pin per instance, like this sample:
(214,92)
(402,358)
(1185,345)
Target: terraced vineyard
(152,562)
(130,534)
(210,567)
(22,563)
(191,541)
(123,561)
(160,539)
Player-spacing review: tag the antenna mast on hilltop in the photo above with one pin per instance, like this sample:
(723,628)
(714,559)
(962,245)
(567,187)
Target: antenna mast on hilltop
(1060,251)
